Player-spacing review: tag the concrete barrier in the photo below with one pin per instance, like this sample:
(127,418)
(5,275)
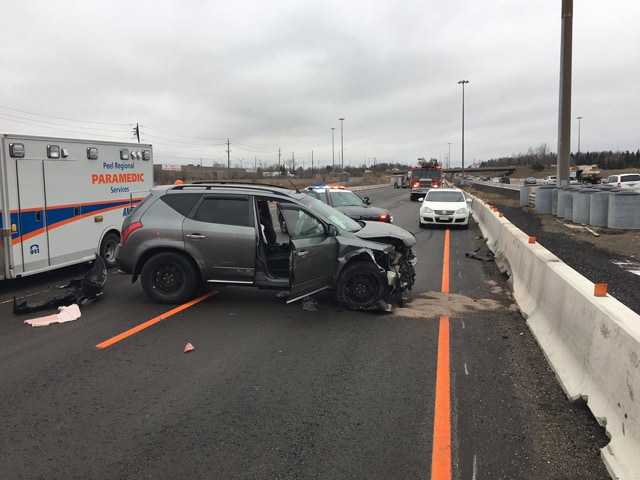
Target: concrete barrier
(592,343)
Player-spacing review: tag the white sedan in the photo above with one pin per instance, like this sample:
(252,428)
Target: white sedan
(444,206)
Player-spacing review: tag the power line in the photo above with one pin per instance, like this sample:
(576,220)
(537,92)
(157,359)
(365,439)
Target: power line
(60,118)
(65,129)
(87,128)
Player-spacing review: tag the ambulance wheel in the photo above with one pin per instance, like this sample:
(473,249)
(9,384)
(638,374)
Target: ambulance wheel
(169,278)
(108,249)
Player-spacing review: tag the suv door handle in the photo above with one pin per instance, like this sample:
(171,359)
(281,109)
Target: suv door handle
(195,235)
(303,253)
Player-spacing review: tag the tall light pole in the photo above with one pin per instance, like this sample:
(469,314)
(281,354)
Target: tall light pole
(333,151)
(579,118)
(462,82)
(449,157)
(564,106)
(341,143)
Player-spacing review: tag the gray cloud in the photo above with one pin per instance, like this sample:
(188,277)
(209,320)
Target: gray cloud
(278,75)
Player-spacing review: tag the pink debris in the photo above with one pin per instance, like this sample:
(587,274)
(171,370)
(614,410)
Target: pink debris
(188,348)
(65,314)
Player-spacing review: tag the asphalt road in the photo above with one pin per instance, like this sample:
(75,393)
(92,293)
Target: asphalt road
(275,392)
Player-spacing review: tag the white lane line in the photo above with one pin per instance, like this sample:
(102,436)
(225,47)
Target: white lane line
(475,468)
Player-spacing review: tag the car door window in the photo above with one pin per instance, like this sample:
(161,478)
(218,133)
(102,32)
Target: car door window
(227,211)
(301,224)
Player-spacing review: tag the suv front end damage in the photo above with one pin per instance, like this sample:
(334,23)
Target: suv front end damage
(394,261)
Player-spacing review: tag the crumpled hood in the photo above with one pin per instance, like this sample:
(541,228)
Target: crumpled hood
(374,230)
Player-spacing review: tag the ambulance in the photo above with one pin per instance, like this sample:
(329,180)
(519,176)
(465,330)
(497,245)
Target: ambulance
(63,200)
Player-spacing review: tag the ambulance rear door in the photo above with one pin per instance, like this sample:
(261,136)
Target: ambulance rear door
(33,245)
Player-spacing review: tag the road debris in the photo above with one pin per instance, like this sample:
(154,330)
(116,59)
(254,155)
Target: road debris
(65,314)
(310,304)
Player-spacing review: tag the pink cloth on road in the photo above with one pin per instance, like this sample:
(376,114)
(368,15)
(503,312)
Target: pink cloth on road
(65,314)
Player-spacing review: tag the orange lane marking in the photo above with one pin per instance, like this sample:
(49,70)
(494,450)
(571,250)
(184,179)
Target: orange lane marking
(441,456)
(153,321)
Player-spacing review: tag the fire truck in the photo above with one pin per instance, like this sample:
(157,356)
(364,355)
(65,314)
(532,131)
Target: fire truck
(63,200)
(423,176)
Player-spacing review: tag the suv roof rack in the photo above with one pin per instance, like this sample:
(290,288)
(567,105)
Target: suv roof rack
(214,185)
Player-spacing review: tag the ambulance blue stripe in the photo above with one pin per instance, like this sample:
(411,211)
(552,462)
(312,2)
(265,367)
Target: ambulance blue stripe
(59,215)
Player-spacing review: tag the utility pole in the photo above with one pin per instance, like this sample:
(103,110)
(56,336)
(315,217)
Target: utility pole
(463,82)
(579,120)
(136,131)
(341,145)
(279,154)
(228,159)
(333,152)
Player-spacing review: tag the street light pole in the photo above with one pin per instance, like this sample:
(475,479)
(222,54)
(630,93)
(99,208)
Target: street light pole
(333,151)
(341,143)
(579,118)
(462,82)
(449,157)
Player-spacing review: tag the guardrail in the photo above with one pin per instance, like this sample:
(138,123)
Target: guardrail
(592,342)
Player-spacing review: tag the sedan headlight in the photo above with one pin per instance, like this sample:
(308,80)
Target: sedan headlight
(461,211)
(426,210)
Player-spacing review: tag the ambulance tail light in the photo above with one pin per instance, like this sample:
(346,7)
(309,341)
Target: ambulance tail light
(128,231)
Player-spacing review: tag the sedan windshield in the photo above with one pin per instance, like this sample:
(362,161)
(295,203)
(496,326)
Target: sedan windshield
(440,196)
(345,199)
(329,213)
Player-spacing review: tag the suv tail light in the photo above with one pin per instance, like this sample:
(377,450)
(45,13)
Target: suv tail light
(129,230)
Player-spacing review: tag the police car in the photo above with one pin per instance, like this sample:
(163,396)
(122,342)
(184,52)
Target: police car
(349,203)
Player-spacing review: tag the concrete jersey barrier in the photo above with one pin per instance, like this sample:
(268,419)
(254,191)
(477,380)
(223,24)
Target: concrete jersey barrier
(592,343)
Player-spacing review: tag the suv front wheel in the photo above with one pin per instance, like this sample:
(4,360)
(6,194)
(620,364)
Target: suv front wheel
(169,278)
(360,286)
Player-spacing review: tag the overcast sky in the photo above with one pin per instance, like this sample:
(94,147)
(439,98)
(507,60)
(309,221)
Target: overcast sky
(270,75)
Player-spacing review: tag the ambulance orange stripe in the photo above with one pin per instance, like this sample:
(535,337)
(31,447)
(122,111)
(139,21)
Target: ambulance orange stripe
(123,201)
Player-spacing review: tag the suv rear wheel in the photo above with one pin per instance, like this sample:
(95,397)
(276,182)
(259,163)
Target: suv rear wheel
(169,278)
(360,286)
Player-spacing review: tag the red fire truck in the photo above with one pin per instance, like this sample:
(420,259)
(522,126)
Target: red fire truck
(423,176)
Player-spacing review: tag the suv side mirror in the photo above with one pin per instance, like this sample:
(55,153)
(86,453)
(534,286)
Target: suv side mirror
(332,230)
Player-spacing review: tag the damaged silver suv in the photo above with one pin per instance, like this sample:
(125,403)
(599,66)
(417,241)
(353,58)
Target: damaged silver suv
(181,236)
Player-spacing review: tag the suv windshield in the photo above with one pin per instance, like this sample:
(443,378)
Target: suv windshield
(329,213)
